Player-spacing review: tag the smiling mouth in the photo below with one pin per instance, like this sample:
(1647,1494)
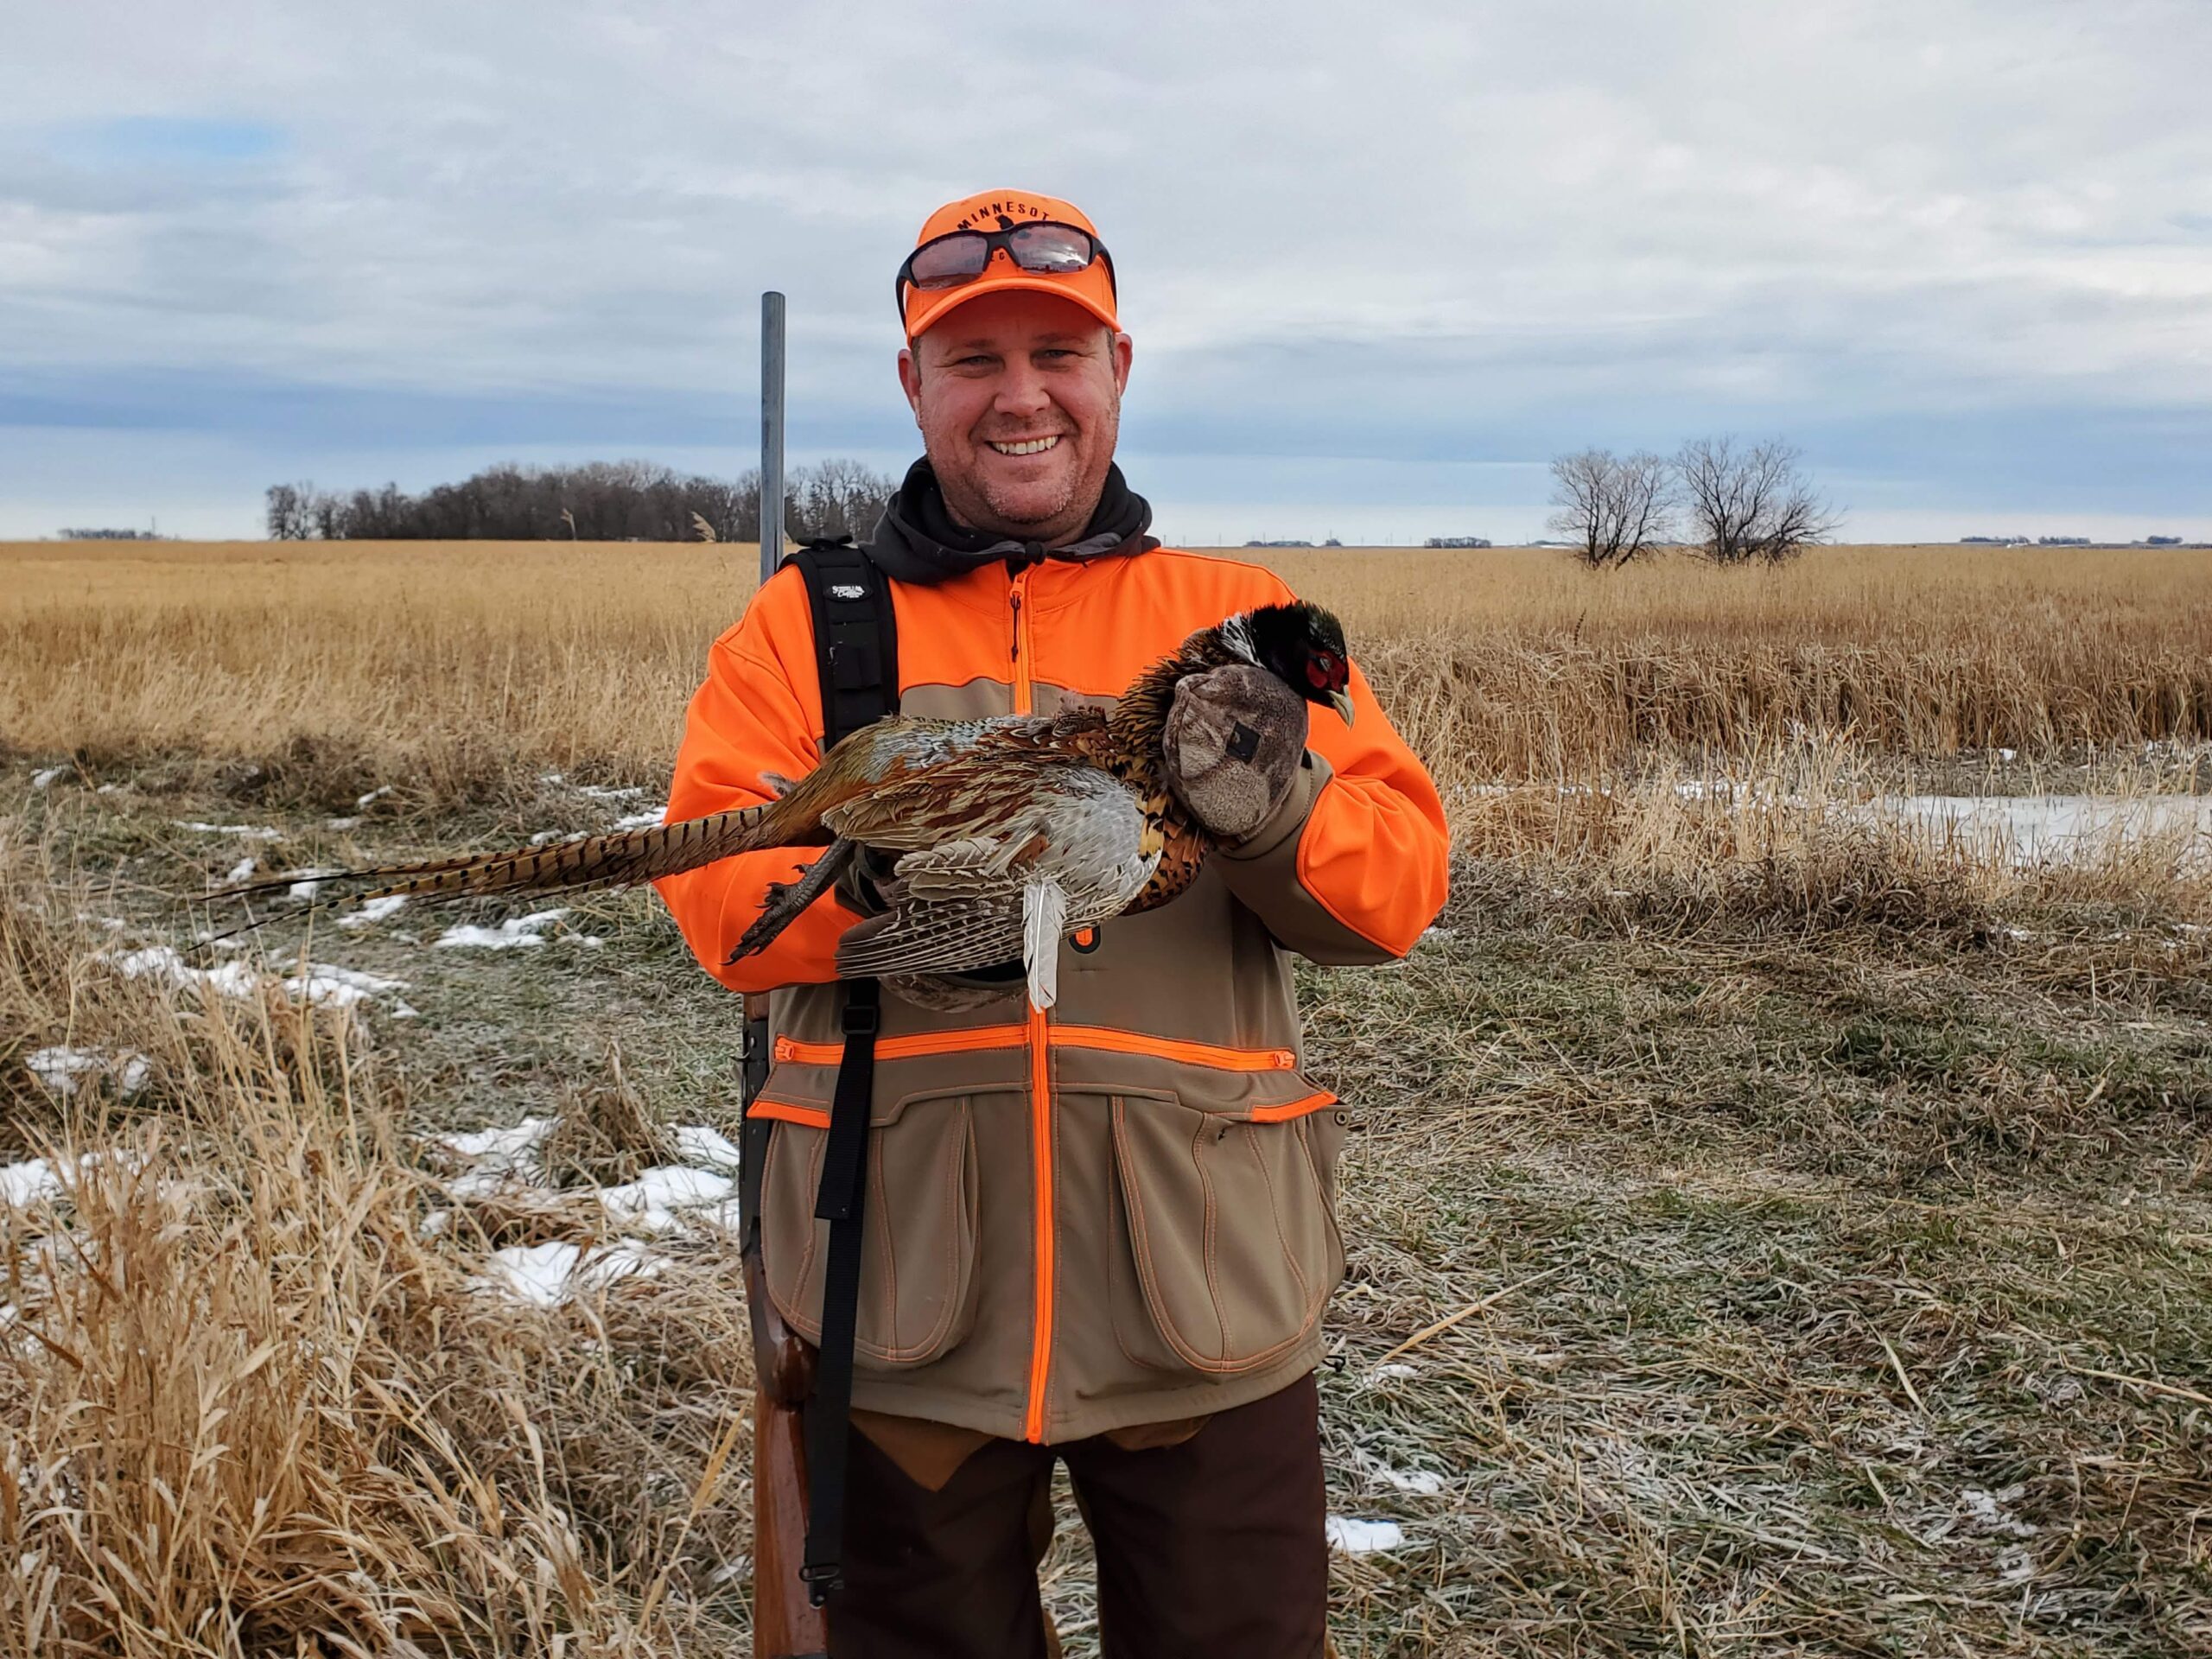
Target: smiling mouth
(1025,446)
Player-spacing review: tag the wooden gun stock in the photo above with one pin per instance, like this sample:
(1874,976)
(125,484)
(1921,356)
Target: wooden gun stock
(785,1622)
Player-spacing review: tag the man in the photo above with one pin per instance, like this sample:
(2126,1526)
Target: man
(1106,1233)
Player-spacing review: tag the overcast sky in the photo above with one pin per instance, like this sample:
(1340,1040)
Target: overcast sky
(1381,263)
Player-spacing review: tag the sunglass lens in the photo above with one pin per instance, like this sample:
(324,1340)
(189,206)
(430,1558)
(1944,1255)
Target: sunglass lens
(1049,248)
(949,260)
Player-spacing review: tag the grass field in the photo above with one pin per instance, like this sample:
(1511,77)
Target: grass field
(1821,1204)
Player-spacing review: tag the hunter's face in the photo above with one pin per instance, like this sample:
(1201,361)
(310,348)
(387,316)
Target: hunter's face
(1019,397)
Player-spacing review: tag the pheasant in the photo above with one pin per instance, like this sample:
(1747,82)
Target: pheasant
(1005,835)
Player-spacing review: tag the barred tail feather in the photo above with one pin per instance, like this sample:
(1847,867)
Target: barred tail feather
(576,866)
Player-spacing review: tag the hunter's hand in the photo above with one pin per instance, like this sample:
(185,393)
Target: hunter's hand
(1234,742)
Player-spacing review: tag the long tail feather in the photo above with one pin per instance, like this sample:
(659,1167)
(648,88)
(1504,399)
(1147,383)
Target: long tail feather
(575,865)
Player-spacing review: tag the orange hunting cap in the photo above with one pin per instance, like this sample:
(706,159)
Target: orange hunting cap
(1026,264)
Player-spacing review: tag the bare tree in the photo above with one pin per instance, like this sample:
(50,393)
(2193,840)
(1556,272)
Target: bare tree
(1614,508)
(1753,504)
(288,512)
(836,498)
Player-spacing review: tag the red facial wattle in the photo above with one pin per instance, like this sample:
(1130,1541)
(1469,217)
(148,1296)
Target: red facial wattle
(1330,675)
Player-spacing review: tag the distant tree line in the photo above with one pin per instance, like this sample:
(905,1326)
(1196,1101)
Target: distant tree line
(595,501)
(1736,504)
(98,535)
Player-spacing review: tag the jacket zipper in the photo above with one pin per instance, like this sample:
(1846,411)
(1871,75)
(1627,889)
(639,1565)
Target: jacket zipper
(1041,1083)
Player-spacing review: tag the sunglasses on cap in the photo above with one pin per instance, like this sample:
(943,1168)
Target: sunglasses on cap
(1046,248)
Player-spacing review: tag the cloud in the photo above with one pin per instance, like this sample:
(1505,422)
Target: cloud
(1429,237)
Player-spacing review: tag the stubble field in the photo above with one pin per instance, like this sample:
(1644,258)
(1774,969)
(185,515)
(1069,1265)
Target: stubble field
(1780,1215)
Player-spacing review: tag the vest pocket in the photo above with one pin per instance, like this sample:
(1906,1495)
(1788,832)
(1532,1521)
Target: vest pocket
(918,1245)
(1226,1245)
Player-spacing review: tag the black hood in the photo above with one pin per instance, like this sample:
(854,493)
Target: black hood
(916,540)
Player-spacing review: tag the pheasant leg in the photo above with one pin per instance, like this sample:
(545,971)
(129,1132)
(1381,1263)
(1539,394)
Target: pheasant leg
(786,899)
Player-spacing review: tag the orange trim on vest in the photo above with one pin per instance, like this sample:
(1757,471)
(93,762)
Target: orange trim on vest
(916,1045)
(1174,1048)
(1038,1032)
(1047,1252)
(787,1111)
(817,1117)
(1291,1109)
(1105,1037)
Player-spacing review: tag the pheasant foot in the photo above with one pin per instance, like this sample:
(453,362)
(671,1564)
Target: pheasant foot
(786,899)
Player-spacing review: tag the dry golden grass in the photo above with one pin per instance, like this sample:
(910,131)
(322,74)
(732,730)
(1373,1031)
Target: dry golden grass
(252,1401)
(461,667)
(1803,1138)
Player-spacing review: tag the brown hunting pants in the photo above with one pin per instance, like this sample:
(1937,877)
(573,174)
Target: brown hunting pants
(1211,1548)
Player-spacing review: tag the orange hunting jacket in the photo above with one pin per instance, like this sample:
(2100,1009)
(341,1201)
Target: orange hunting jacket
(1120,1211)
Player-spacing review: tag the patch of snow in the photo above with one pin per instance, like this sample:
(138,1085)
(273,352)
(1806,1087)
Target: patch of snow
(2027,829)
(514,934)
(505,1145)
(63,1068)
(2015,1565)
(605,792)
(497,1155)
(2008,755)
(373,796)
(341,823)
(701,1192)
(307,883)
(163,962)
(1395,1369)
(548,1275)
(243,870)
(322,983)
(374,910)
(644,820)
(705,1147)
(1988,1511)
(340,987)
(251,831)
(651,1201)
(27,1184)
(540,838)
(1425,1483)
(42,779)
(111,789)
(1357,1537)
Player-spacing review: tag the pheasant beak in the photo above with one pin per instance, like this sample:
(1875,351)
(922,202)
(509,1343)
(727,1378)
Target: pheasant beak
(1341,701)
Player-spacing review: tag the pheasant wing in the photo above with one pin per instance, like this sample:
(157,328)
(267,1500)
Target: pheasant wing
(958,896)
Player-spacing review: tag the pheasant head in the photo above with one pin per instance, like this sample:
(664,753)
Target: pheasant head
(1301,644)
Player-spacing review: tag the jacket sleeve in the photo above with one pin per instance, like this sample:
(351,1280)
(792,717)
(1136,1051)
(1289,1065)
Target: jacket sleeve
(1354,863)
(757,714)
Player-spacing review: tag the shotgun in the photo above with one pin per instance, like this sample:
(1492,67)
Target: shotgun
(785,1625)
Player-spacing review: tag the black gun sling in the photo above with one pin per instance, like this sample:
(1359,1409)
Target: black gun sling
(856,652)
